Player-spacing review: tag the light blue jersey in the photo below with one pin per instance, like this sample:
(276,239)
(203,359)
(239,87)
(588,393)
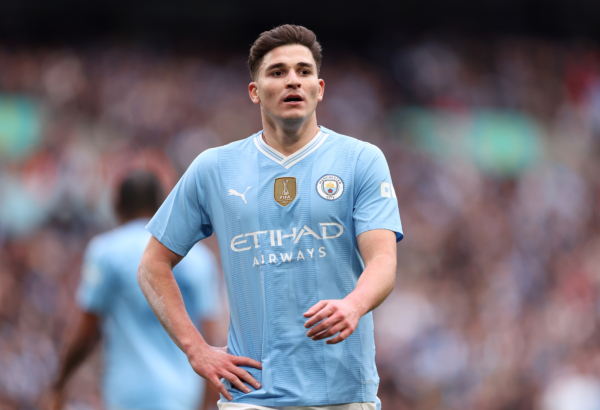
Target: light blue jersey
(144,369)
(287,229)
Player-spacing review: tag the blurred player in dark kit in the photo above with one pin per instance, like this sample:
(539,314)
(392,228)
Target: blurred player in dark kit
(143,368)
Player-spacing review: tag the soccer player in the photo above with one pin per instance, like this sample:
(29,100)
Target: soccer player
(144,369)
(307,223)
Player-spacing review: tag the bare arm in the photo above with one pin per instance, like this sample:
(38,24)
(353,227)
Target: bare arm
(85,338)
(155,276)
(378,250)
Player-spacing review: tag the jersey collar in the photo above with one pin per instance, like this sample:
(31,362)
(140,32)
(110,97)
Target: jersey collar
(289,161)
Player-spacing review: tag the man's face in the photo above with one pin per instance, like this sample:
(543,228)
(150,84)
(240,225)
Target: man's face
(287,87)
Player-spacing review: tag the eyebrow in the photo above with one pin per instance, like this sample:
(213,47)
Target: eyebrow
(280,65)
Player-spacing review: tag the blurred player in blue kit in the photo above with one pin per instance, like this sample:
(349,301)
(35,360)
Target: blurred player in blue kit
(143,369)
(307,222)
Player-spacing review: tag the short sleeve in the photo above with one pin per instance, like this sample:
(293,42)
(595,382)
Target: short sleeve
(375,202)
(96,284)
(182,220)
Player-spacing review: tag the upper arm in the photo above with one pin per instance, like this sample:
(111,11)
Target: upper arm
(156,258)
(377,243)
(96,283)
(375,202)
(156,252)
(89,326)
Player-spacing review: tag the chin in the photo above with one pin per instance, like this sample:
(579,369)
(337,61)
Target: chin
(294,116)
(289,115)
(302,112)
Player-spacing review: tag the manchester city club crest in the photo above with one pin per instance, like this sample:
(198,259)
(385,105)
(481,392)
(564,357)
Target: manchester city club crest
(330,187)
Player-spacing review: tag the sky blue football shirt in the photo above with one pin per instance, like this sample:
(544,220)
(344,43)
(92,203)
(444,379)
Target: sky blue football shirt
(144,369)
(287,229)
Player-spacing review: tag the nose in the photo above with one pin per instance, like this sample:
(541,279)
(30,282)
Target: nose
(292,80)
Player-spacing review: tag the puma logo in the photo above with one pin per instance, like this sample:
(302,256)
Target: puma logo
(236,193)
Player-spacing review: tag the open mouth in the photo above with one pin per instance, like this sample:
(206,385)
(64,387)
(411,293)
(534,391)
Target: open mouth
(293,98)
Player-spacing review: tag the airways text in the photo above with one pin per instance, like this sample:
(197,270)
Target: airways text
(246,241)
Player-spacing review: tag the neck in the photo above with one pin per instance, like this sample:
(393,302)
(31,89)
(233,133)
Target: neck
(123,219)
(289,137)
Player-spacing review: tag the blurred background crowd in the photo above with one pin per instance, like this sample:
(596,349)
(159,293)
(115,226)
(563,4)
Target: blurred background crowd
(494,151)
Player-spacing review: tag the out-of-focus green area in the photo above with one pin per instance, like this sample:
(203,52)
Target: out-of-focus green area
(502,144)
(20,126)
(494,151)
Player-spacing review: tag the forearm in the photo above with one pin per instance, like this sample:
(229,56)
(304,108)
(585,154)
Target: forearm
(155,276)
(81,345)
(329,317)
(75,355)
(162,292)
(375,283)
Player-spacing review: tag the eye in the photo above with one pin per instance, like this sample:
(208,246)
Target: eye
(305,72)
(277,73)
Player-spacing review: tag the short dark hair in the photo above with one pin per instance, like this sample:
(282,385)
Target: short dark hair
(140,192)
(287,34)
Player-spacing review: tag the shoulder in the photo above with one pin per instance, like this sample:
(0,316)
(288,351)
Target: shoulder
(340,138)
(240,145)
(365,151)
(102,244)
(118,240)
(368,153)
(209,158)
(205,160)
(100,254)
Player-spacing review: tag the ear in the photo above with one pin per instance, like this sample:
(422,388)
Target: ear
(321,89)
(253,91)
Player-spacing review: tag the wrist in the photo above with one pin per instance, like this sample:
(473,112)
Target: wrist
(357,304)
(194,347)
